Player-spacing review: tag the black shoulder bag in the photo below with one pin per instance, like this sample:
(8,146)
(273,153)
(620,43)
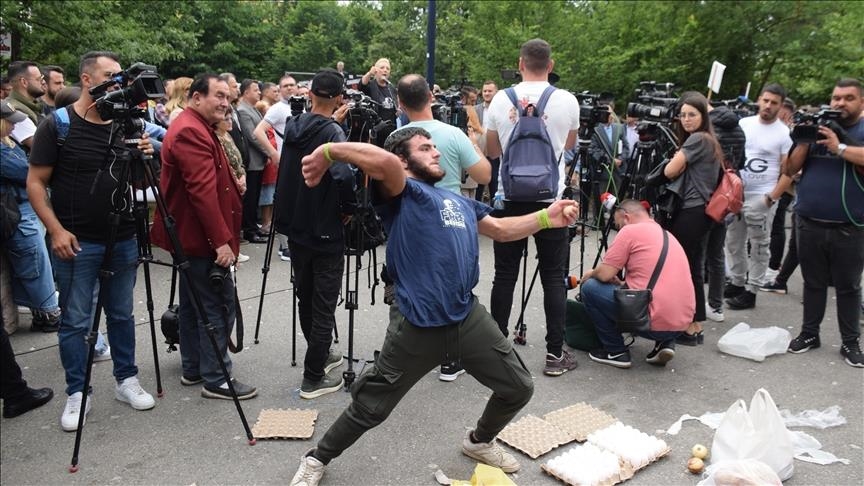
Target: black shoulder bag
(631,313)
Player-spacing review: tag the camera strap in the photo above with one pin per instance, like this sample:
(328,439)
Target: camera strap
(238,325)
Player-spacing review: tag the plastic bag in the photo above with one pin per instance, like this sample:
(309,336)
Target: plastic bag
(755,434)
(755,344)
(746,472)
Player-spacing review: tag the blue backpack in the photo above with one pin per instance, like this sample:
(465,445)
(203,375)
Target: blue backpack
(61,125)
(529,169)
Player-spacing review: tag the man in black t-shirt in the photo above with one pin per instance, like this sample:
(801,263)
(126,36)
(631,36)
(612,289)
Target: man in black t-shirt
(312,219)
(85,173)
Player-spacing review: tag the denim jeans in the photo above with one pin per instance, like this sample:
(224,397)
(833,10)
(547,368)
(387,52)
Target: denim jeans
(77,278)
(196,349)
(831,255)
(753,225)
(318,278)
(599,299)
(32,277)
(552,251)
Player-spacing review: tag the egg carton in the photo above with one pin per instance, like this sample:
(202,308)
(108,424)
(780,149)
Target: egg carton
(533,436)
(624,438)
(285,424)
(579,420)
(554,469)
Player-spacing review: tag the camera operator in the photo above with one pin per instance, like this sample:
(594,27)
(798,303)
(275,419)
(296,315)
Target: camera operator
(830,222)
(202,195)
(458,153)
(636,250)
(312,218)
(75,217)
(437,312)
(609,147)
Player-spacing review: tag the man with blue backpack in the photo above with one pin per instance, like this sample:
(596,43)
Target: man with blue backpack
(530,126)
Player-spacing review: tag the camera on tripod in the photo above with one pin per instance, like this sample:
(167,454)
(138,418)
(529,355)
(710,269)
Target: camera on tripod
(299,104)
(448,108)
(139,83)
(806,125)
(591,110)
(656,103)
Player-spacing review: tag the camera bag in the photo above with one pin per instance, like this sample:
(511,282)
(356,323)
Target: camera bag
(631,305)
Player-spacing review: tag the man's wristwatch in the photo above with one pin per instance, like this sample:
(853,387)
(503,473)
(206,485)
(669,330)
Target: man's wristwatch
(770,199)
(840,149)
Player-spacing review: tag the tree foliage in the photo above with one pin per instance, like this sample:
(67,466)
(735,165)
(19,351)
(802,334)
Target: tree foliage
(597,45)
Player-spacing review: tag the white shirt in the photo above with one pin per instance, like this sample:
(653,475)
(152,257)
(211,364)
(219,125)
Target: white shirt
(766,144)
(561,116)
(276,116)
(23,130)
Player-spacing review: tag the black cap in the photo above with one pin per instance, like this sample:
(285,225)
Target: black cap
(8,112)
(327,83)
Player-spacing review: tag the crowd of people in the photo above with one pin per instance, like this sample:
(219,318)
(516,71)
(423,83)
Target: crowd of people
(244,162)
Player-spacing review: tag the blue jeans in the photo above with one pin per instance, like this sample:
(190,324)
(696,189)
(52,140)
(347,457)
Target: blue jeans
(32,278)
(599,301)
(76,279)
(196,350)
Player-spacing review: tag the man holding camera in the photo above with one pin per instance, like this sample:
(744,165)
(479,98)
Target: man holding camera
(83,198)
(830,222)
(437,312)
(767,144)
(312,218)
(203,197)
(636,250)
(458,153)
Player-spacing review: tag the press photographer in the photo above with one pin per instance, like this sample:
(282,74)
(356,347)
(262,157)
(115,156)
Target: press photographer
(202,195)
(85,193)
(830,220)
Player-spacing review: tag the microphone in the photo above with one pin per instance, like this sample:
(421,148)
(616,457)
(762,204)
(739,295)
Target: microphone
(571,282)
(608,201)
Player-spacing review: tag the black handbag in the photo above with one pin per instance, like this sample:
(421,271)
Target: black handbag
(631,305)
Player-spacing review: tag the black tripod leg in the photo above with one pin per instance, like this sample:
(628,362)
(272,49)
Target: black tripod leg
(351,304)
(519,334)
(268,255)
(293,318)
(145,255)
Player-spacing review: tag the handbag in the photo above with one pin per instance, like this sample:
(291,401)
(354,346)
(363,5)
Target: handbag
(631,305)
(728,198)
(9,213)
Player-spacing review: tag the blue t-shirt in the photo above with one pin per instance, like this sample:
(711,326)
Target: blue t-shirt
(432,252)
(457,153)
(830,188)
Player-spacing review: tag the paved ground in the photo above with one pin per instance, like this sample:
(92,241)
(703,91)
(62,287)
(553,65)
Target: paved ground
(189,440)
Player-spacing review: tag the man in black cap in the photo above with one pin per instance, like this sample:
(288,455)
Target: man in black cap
(312,218)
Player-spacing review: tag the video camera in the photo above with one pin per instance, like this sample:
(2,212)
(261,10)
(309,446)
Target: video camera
(656,102)
(367,118)
(448,108)
(741,106)
(806,125)
(139,83)
(299,104)
(591,111)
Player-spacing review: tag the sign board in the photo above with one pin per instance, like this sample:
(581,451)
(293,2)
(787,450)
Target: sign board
(716,77)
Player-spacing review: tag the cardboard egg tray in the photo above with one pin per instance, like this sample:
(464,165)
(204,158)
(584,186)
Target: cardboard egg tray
(535,436)
(285,424)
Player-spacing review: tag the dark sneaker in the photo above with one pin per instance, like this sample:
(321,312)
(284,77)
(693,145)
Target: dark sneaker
(191,380)
(45,321)
(332,382)
(244,392)
(334,360)
(775,286)
(662,353)
(490,453)
(745,300)
(284,255)
(450,371)
(730,290)
(560,365)
(691,339)
(310,472)
(618,360)
(852,354)
(803,343)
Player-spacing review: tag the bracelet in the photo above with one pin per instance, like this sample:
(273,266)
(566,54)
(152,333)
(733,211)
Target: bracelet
(327,152)
(543,219)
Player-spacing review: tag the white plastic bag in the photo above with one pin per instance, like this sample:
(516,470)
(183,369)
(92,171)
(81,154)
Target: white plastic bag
(755,344)
(755,434)
(746,472)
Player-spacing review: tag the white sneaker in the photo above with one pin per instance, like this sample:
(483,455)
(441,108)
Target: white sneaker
(715,315)
(130,391)
(242,258)
(69,419)
(771,275)
(103,354)
(309,473)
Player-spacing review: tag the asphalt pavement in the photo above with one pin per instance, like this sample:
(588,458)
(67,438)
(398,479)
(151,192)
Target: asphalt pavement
(187,439)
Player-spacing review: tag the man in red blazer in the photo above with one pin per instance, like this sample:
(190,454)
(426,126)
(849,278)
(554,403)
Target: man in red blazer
(204,199)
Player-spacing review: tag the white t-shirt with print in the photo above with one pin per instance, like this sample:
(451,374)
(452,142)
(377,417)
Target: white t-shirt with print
(561,116)
(766,144)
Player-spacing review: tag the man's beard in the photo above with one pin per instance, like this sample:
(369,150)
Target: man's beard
(425,173)
(35,93)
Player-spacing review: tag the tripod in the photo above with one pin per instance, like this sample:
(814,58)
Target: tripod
(130,131)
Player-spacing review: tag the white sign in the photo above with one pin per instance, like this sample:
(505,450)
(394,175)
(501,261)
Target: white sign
(716,77)
(6,45)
